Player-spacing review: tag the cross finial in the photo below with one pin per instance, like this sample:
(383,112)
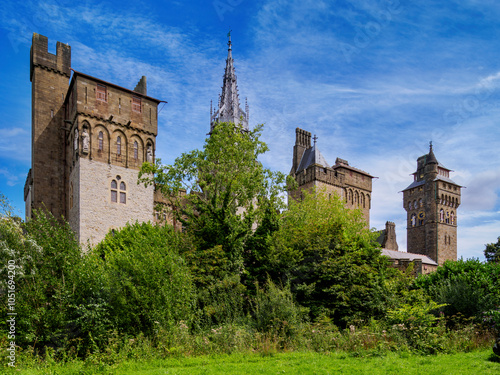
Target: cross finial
(315,139)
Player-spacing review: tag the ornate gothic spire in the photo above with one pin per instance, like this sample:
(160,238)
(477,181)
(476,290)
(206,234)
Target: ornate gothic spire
(229,103)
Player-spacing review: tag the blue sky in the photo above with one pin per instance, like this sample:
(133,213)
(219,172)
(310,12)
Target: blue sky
(375,80)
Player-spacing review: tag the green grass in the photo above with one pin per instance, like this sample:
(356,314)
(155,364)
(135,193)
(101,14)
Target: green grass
(476,362)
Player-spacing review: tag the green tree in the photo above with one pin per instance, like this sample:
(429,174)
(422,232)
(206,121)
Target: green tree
(469,287)
(149,283)
(44,253)
(331,259)
(226,189)
(492,252)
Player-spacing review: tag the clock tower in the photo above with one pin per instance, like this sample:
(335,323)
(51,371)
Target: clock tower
(431,203)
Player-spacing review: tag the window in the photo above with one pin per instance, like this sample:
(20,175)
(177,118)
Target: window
(118,146)
(114,193)
(136,150)
(123,193)
(413,220)
(136,104)
(101,93)
(101,136)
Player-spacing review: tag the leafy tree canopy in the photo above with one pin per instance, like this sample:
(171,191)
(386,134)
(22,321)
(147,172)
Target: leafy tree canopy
(330,258)
(228,190)
(492,252)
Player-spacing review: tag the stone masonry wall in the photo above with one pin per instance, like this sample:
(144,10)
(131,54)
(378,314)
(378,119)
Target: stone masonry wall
(97,213)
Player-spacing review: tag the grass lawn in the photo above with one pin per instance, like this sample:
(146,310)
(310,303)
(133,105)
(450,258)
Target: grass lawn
(477,362)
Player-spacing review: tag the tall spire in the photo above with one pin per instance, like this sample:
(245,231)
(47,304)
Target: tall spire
(229,104)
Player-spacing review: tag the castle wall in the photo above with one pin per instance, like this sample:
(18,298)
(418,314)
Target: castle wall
(96,212)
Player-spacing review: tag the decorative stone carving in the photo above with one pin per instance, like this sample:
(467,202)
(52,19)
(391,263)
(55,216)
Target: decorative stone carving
(85,141)
(149,154)
(76,139)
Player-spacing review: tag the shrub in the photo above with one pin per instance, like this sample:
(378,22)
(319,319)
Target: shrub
(274,310)
(149,283)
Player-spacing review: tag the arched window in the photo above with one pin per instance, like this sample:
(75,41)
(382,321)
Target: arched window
(349,196)
(118,146)
(413,220)
(136,150)
(114,192)
(409,205)
(123,193)
(415,204)
(356,198)
(101,136)
(441,215)
(362,202)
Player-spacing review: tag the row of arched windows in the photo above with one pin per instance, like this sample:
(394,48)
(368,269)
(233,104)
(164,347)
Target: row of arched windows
(448,201)
(415,204)
(448,217)
(358,199)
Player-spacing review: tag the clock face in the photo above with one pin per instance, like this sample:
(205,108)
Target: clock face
(421,214)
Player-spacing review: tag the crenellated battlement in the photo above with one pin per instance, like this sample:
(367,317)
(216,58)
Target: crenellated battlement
(40,56)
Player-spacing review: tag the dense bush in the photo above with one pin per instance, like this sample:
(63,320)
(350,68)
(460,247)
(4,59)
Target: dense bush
(149,283)
(46,254)
(469,288)
(274,310)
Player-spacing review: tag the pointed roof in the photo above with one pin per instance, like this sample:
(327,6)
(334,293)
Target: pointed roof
(312,156)
(229,103)
(431,158)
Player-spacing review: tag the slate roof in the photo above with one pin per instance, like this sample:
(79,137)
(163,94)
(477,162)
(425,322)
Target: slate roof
(312,156)
(393,254)
(415,184)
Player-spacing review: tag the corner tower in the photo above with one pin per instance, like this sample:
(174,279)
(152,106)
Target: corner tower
(431,203)
(229,103)
(49,75)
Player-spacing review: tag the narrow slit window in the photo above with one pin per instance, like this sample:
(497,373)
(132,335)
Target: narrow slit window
(101,137)
(118,146)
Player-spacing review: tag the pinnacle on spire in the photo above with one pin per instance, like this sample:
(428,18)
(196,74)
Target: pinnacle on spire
(229,104)
(431,158)
(315,138)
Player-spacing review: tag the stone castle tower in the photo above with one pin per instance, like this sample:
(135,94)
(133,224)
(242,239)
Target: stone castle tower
(310,169)
(228,109)
(431,203)
(89,140)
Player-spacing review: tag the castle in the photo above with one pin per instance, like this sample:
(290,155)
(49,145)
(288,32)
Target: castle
(90,138)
